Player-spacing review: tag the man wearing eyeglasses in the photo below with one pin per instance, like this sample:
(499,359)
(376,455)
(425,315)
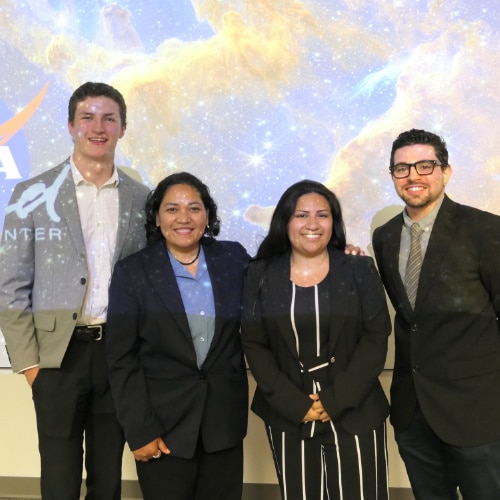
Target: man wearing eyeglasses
(440,263)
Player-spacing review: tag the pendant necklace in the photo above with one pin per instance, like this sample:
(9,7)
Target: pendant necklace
(188,263)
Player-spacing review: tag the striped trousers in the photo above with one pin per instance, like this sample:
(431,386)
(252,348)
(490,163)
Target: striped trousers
(331,466)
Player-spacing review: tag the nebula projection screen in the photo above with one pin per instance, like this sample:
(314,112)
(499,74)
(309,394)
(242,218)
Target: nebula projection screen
(254,95)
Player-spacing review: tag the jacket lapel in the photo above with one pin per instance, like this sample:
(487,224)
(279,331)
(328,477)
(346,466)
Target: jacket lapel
(161,276)
(216,266)
(67,206)
(125,202)
(340,280)
(391,264)
(441,238)
(280,293)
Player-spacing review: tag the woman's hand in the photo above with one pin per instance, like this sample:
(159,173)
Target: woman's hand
(317,409)
(154,449)
(311,415)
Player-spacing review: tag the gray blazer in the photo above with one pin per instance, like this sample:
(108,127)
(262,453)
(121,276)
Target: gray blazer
(43,265)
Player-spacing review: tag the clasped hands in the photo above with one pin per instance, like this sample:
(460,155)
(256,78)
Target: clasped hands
(316,412)
(152,450)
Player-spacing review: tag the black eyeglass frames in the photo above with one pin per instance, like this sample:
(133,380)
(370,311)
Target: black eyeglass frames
(423,167)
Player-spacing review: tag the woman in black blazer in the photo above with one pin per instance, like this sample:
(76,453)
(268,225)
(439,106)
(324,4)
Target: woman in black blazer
(176,366)
(314,329)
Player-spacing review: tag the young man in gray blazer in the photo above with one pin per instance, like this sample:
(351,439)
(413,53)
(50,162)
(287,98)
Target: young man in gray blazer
(64,230)
(445,288)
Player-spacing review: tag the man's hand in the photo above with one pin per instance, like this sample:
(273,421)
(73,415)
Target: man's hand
(354,250)
(31,374)
(152,450)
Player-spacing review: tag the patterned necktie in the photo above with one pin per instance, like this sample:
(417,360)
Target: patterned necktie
(414,264)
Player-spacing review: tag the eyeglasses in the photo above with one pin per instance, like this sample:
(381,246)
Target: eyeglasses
(423,167)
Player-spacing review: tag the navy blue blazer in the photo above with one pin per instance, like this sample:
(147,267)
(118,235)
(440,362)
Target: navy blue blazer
(448,349)
(156,384)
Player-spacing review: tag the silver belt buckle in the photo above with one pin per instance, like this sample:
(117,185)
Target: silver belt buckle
(99,332)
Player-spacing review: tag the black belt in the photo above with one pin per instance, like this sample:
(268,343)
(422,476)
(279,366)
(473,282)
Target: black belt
(89,333)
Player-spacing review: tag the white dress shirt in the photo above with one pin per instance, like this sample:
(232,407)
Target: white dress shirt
(98,210)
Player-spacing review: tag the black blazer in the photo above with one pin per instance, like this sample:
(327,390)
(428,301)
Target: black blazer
(359,328)
(156,384)
(448,349)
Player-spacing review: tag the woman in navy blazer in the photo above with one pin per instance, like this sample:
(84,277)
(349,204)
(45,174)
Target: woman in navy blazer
(315,327)
(176,365)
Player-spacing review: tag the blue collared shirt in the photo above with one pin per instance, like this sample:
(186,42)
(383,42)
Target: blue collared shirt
(198,299)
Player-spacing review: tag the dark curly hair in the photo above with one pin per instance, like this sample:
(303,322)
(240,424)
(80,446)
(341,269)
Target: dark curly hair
(276,242)
(415,136)
(156,196)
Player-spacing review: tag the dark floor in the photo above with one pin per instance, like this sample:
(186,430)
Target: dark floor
(256,493)
(28,489)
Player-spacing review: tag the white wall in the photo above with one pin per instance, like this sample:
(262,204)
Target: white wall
(19,452)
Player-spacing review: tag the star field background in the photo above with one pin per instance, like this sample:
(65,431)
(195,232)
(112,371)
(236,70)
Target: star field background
(252,96)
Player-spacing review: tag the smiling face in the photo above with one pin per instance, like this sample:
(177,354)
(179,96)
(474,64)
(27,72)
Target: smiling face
(95,130)
(311,225)
(420,193)
(182,219)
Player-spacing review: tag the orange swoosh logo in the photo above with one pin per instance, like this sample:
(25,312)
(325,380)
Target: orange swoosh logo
(10,127)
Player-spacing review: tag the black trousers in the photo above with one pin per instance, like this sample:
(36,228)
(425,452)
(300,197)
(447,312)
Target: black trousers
(436,469)
(206,476)
(335,465)
(72,403)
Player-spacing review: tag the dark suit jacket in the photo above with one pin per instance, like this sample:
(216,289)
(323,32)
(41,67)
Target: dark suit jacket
(156,384)
(359,328)
(448,349)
